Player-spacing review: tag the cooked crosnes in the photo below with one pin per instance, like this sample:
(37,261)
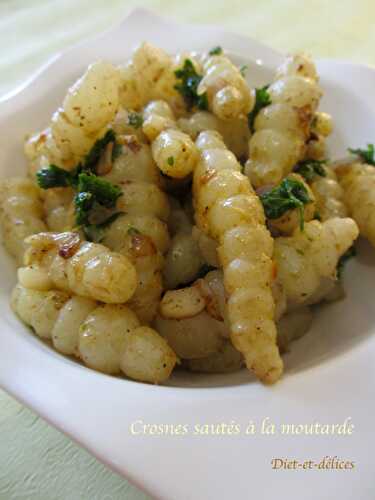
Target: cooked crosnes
(173,215)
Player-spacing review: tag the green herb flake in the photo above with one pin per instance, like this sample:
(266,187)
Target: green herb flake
(317,216)
(310,169)
(350,253)
(117,151)
(83,203)
(262,99)
(135,120)
(53,176)
(290,194)
(367,155)
(93,156)
(95,232)
(170,161)
(105,193)
(216,51)
(243,69)
(91,191)
(188,81)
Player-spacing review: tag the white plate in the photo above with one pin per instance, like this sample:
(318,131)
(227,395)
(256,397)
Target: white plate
(330,372)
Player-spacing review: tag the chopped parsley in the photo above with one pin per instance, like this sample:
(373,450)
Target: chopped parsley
(262,99)
(95,232)
(170,160)
(243,69)
(104,191)
(317,216)
(83,203)
(117,150)
(95,152)
(53,176)
(350,253)
(92,192)
(135,120)
(367,155)
(187,86)
(310,169)
(288,195)
(216,51)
